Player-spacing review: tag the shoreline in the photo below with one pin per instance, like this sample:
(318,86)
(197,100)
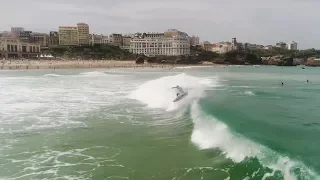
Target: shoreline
(87,64)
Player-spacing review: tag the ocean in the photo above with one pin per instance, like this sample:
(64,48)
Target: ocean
(237,123)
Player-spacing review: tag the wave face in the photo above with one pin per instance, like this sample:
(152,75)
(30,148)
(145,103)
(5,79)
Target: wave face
(210,133)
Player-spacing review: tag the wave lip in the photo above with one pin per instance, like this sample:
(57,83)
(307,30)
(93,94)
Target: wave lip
(209,133)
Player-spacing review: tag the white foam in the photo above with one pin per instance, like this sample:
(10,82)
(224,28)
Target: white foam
(159,93)
(52,75)
(29,104)
(182,67)
(249,93)
(34,164)
(190,67)
(210,133)
(93,73)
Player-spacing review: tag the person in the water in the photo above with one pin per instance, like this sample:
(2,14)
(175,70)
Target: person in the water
(179,88)
(281,83)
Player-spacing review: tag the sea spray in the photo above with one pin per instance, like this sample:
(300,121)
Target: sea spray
(159,93)
(210,133)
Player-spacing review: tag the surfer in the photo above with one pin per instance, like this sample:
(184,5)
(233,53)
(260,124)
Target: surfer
(181,94)
(179,89)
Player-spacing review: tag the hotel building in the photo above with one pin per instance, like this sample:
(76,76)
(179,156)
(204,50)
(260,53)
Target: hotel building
(14,48)
(194,40)
(170,43)
(68,36)
(115,39)
(83,33)
(40,38)
(53,38)
(292,45)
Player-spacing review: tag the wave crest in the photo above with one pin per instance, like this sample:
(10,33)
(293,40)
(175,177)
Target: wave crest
(159,93)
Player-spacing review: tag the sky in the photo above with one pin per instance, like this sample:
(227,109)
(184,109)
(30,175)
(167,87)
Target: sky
(254,21)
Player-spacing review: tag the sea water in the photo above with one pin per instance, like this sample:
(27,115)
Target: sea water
(235,123)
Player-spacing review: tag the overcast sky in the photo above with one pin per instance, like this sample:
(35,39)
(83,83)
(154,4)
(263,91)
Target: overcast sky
(256,21)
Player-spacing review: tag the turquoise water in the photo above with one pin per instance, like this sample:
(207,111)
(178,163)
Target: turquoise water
(236,123)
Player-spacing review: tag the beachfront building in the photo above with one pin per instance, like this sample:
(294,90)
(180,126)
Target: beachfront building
(25,36)
(206,45)
(126,40)
(5,34)
(105,39)
(53,38)
(281,45)
(194,41)
(170,43)
(115,39)
(15,31)
(268,47)
(222,47)
(292,45)
(95,39)
(83,33)
(234,44)
(98,39)
(40,38)
(14,48)
(253,46)
(68,36)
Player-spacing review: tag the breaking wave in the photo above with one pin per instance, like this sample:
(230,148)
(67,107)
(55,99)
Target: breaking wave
(210,133)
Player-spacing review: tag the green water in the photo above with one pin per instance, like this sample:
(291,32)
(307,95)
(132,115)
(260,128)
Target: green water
(238,123)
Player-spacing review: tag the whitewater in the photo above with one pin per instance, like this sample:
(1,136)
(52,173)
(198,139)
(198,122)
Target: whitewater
(209,132)
(235,123)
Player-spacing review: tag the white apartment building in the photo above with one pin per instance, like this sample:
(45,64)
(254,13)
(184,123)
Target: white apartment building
(159,44)
(253,46)
(222,47)
(105,39)
(206,45)
(98,39)
(292,45)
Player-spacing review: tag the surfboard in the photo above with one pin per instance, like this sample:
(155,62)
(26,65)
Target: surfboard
(181,96)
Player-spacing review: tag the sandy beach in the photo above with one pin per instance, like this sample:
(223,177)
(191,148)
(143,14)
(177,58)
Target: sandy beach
(73,64)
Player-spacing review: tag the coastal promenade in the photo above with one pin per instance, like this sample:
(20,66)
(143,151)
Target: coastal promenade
(74,64)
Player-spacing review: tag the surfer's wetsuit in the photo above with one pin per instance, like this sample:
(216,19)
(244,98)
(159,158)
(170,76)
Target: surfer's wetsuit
(180,90)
